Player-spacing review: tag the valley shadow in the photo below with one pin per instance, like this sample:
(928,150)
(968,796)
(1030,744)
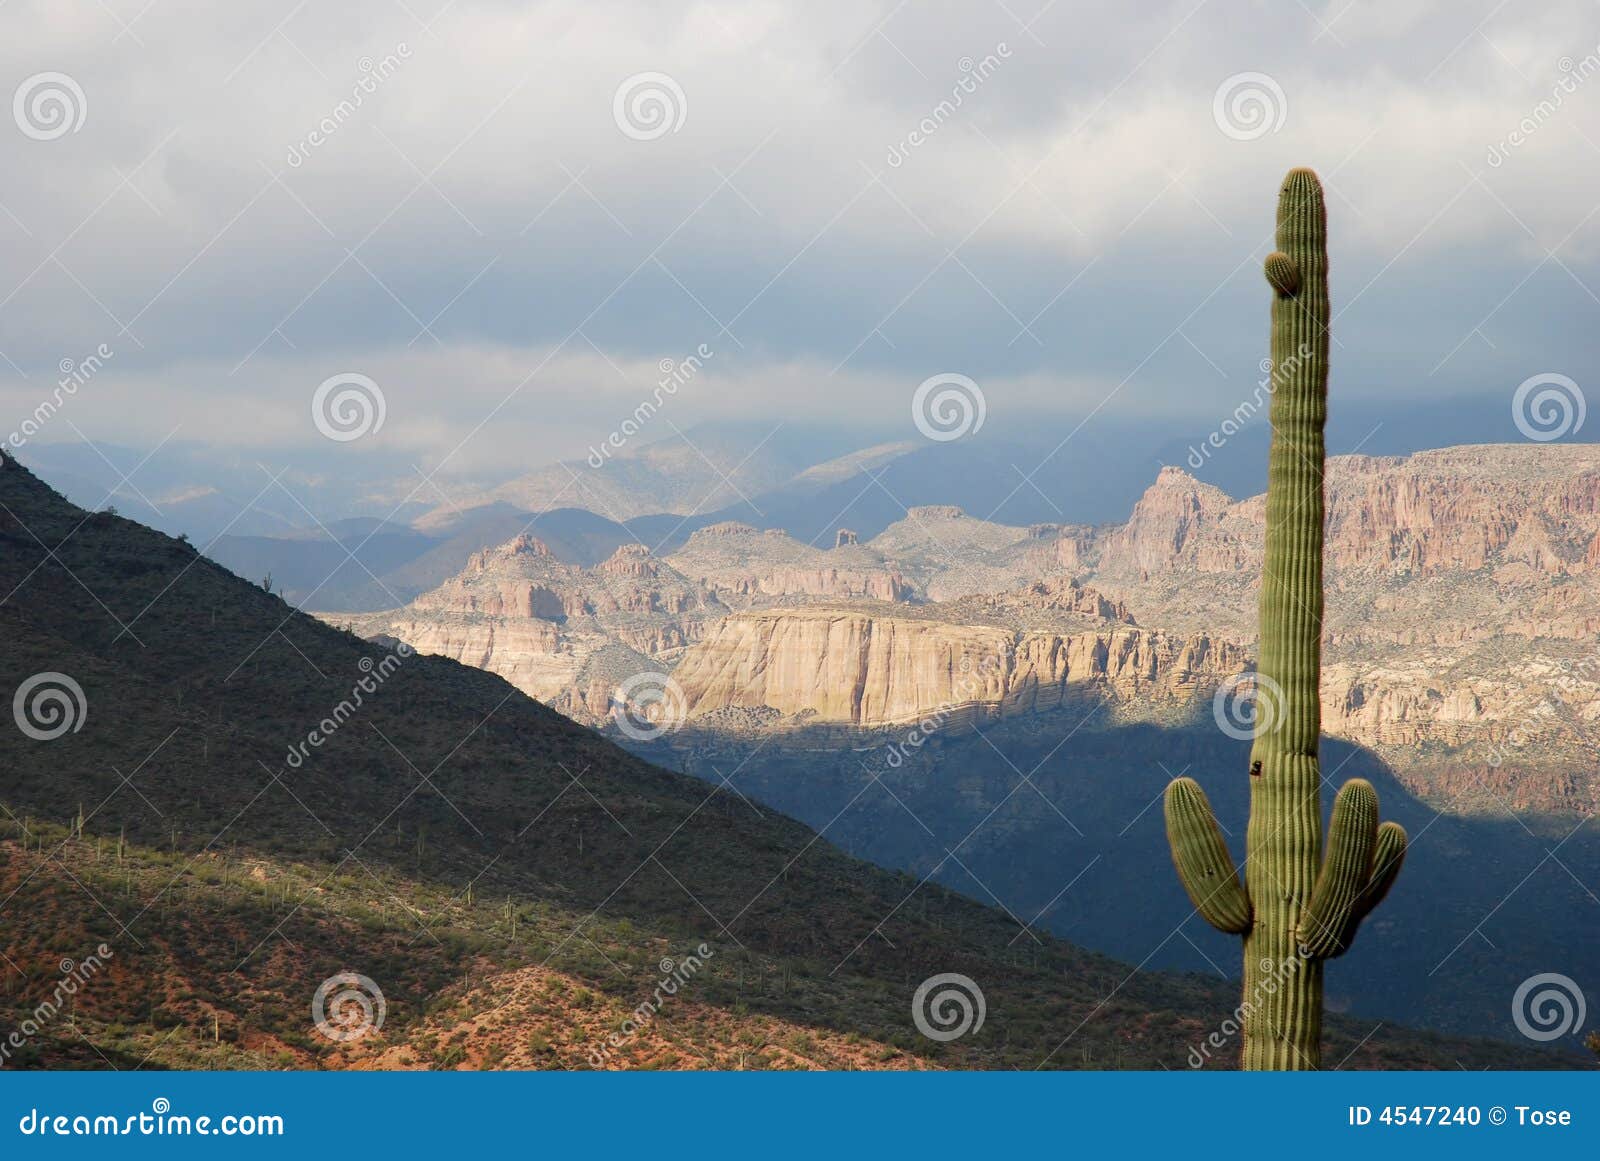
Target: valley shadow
(1060,823)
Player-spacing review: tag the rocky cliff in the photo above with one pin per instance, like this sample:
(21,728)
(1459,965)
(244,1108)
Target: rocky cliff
(1463,603)
(556,631)
(741,563)
(521,579)
(1418,548)
(867,668)
(1462,637)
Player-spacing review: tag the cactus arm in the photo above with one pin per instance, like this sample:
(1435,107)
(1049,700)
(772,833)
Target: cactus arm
(1201,855)
(1388,855)
(1346,871)
(1282,273)
(1389,852)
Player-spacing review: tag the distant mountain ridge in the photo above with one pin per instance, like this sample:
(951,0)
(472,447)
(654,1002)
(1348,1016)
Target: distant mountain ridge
(1463,594)
(711,467)
(1462,585)
(1461,581)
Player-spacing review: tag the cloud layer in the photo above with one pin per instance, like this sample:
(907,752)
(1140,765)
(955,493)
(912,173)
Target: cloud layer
(470,204)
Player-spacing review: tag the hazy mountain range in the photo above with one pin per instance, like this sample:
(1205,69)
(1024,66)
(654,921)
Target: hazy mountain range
(805,479)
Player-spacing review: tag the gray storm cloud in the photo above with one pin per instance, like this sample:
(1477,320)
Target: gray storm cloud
(508,215)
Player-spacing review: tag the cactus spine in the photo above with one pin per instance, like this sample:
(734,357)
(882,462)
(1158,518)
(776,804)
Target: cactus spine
(1297,908)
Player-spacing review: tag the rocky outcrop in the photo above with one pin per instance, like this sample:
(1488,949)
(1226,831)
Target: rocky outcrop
(1068,595)
(1071,548)
(948,554)
(1459,583)
(742,563)
(866,669)
(1456,579)
(517,611)
(1178,522)
(833,583)
(1449,510)
(728,529)
(522,579)
(533,655)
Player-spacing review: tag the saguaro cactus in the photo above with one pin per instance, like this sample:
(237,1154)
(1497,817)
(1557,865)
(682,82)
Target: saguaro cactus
(1296,908)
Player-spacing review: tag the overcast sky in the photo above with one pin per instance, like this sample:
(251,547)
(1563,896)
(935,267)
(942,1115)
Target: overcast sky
(509,233)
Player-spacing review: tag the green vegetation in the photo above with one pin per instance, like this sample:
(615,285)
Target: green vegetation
(1297,908)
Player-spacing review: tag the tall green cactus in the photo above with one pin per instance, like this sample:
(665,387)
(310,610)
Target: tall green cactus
(1296,908)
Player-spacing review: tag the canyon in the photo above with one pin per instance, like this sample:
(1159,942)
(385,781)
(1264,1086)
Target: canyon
(1463,604)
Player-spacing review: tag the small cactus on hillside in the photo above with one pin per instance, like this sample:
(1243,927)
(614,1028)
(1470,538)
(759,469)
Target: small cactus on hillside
(1297,907)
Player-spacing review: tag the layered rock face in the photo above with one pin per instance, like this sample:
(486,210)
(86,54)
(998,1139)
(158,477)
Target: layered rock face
(1526,511)
(1463,612)
(1462,629)
(531,654)
(741,563)
(1463,602)
(556,631)
(869,669)
(522,579)
(1443,547)
(1179,524)
(1054,594)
